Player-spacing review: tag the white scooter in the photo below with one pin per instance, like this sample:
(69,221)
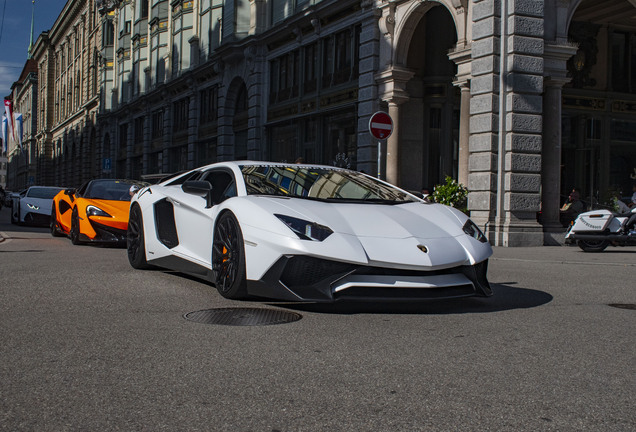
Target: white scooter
(595,230)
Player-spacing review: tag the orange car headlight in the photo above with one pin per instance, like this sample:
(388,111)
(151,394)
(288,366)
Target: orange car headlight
(91,210)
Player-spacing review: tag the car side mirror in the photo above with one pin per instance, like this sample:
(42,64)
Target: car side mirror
(70,193)
(199,188)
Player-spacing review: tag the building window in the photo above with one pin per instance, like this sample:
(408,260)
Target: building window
(311,69)
(181,115)
(209,98)
(340,140)
(108,33)
(144,9)
(179,158)
(157,124)
(123,140)
(206,152)
(285,77)
(139,131)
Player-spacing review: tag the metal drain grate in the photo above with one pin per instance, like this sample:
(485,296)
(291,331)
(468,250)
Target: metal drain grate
(242,316)
(623,305)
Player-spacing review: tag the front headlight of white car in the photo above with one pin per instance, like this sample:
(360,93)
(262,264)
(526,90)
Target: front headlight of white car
(33,207)
(91,210)
(305,230)
(471,229)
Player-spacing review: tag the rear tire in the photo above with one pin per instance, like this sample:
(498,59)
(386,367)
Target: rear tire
(55,232)
(592,245)
(228,258)
(135,242)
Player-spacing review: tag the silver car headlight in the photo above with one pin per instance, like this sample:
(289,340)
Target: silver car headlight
(91,210)
(305,230)
(33,207)
(471,229)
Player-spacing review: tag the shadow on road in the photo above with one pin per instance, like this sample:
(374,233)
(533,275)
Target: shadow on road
(504,298)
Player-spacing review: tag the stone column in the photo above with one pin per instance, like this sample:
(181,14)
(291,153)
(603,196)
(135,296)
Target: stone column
(392,89)
(464,134)
(551,161)
(393,144)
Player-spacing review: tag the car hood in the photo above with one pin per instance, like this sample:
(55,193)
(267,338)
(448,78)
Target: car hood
(420,220)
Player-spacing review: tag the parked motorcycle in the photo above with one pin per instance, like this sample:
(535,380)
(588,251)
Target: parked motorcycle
(595,230)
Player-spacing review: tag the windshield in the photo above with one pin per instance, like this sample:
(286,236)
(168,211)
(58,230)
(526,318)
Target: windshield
(43,192)
(114,190)
(320,183)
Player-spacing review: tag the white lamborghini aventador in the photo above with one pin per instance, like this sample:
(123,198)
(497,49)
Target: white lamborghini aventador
(306,233)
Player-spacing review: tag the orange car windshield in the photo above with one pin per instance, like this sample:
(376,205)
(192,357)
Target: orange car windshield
(114,190)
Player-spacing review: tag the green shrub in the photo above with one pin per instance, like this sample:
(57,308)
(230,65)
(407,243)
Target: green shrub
(452,194)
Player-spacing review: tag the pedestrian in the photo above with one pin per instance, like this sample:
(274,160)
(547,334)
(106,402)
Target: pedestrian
(2,195)
(300,161)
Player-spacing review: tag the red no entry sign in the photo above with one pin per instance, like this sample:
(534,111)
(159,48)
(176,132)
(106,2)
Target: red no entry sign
(381,125)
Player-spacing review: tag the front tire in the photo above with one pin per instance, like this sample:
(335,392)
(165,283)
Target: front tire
(55,232)
(228,258)
(592,245)
(135,242)
(75,229)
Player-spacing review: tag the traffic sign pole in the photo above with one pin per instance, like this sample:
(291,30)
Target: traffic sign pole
(381,128)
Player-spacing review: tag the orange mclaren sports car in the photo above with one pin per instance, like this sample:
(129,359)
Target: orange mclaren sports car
(97,212)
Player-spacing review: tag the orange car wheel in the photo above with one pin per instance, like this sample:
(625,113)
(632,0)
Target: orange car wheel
(55,232)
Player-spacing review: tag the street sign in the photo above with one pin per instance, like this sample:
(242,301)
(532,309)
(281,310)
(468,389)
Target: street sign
(381,125)
(106,165)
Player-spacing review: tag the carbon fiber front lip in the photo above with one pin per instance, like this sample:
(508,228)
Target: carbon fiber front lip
(107,234)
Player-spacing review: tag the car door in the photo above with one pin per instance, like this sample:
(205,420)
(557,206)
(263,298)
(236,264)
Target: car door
(66,204)
(195,222)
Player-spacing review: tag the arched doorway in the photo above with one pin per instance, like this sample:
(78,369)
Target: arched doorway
(599,104)
(236,115)
(429,113)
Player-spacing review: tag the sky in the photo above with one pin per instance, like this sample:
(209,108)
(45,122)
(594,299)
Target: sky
(15,27)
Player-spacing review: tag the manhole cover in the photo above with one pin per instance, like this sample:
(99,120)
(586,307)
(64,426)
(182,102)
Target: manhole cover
(242,316)
(623,306)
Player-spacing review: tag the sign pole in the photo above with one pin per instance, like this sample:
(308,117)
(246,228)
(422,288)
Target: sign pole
(379,157)
(381,128)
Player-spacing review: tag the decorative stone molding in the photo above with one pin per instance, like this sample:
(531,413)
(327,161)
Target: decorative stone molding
(392,84)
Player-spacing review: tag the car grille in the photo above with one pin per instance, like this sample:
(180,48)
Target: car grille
(305,271)
(37,218)
(107,233)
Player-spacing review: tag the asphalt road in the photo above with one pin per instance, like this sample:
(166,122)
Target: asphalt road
(87,343)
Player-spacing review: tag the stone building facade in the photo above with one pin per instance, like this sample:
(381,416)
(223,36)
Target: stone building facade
(521,100)
(22,159)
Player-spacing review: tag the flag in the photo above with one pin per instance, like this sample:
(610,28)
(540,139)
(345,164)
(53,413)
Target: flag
(4,133)
(8,108)
(18,129)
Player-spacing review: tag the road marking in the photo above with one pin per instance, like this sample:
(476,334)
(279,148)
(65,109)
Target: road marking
(564,262)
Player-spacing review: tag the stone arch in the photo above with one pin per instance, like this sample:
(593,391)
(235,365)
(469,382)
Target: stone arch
(236,107)
(405,29)
(574,5)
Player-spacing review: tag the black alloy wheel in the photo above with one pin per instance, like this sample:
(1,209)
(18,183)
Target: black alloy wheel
(228,258)
(592,245)
(135,243)
(75,230)
(55,232)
